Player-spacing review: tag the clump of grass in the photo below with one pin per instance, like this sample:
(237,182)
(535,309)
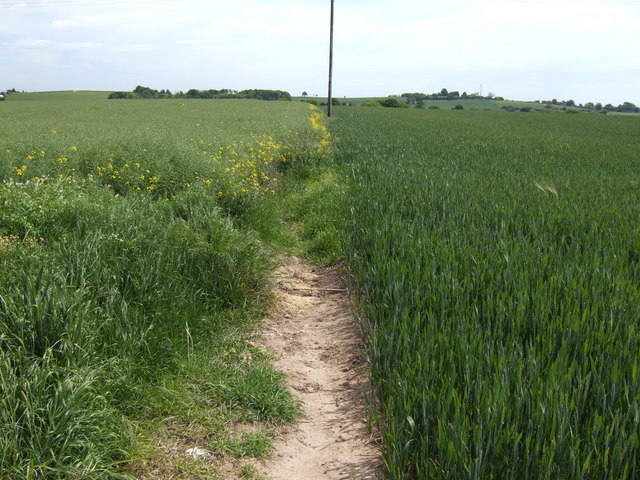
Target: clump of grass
(121,288)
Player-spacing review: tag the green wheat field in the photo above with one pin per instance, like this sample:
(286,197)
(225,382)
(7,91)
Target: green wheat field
(495,256)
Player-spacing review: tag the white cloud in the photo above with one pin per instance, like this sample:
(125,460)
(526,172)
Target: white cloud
(540,48)
(89,20)
(50,45)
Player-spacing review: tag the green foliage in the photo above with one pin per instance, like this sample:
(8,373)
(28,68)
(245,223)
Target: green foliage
(131,280)
(498,267)
(311,208)
(141,92)
(390,102)
(443,94)
(121,297)
(628,107)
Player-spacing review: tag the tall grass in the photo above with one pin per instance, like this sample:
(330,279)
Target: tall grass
(126,267)
(497,259)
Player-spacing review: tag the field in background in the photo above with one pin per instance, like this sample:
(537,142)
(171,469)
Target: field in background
(468,104)
(497,258)
(133,270)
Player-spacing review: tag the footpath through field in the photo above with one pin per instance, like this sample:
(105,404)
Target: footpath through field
(313,333)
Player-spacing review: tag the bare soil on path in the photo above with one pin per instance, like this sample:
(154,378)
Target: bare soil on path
(316,342)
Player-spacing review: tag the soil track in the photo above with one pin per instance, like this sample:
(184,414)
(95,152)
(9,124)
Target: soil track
(316,341)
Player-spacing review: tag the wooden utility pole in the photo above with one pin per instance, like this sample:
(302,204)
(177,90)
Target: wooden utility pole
(330,99)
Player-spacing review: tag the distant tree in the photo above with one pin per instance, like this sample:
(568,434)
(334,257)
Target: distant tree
(121,95)
(554,102)
(264,94)
(420,103)
(598,106)
(444,92)
(304,94)
(412,98)
(570,103)
(628,107)
(145,92)
(589,105)
(392,102)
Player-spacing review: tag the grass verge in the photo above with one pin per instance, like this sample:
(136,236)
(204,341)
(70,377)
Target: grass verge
(132,285)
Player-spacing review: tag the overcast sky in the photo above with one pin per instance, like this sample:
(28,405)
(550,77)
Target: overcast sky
(585,50)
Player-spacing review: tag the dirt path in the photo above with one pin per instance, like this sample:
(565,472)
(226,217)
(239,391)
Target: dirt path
(316,341)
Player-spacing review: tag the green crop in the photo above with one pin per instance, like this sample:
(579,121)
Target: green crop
(131,278)
(497,258)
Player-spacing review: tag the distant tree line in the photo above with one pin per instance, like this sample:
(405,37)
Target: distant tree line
(626,107)
(389,102)
(417,98)
(444,94)
(150,93)
(8,92)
